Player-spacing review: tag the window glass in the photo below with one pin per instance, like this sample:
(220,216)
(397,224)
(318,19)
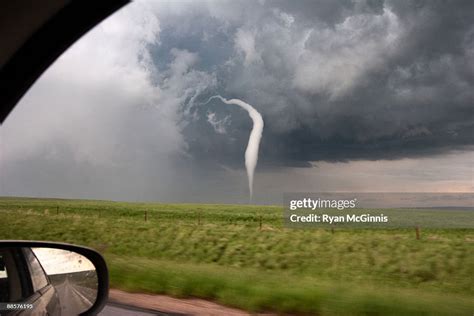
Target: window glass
(13,279)
(3,280)
(3,270)
(38,277)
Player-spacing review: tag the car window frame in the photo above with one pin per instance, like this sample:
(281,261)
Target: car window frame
(33,270)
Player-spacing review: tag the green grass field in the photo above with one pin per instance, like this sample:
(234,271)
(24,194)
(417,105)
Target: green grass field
(219,252)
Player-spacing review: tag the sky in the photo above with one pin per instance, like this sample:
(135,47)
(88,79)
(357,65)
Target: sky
(356,96)
(58,261)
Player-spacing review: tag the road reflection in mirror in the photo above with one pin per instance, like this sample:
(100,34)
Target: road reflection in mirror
(72,275)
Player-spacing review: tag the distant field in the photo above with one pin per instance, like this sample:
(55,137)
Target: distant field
(219,252)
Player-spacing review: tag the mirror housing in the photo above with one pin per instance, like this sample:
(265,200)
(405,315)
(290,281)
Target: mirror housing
(93,256)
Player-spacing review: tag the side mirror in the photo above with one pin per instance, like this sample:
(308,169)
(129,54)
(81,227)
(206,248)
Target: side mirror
(49,278)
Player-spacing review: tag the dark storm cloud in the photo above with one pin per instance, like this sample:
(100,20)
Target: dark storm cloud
(327,11)
(339,80)
(121,115)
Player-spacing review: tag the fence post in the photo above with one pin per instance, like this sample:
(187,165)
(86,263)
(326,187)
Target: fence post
(417,230)
(199,217)
(260,222)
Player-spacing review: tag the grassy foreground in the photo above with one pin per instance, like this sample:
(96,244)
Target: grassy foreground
(219,252)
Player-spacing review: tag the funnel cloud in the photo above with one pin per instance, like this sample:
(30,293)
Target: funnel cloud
(251,153)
